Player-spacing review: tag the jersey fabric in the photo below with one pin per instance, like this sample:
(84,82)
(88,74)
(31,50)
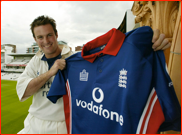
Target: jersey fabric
(119,85)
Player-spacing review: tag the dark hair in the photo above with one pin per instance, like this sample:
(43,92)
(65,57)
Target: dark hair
(43,20)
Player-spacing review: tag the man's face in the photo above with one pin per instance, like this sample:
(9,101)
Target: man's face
(46,40)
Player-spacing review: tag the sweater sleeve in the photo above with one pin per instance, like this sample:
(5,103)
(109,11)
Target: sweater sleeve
(24,79)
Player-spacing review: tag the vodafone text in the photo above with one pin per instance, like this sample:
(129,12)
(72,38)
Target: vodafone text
(99,109)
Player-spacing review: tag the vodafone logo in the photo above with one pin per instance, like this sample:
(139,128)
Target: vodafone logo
(98,100)
(98,108)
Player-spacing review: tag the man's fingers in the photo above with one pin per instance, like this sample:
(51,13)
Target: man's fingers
(164,45)
(62,64)
(167,46)
(159,42)
(156,33)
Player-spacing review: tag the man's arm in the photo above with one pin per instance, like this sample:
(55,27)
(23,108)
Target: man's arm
(36,83)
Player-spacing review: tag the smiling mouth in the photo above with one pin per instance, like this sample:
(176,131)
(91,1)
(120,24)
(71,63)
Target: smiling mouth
(47,46)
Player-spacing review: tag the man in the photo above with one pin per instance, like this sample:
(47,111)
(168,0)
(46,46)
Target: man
(45,117)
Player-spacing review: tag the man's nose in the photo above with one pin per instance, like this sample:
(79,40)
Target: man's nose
(46,40)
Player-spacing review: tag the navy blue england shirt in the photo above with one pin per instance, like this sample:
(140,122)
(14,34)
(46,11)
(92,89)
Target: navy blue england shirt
(119,85)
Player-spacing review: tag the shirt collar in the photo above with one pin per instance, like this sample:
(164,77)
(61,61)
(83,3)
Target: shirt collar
(114,40)
(45,59)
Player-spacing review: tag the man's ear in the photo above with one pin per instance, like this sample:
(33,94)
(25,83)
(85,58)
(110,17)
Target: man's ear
(56,34)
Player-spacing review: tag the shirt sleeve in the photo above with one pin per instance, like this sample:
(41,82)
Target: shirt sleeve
(24,79)
(166,95)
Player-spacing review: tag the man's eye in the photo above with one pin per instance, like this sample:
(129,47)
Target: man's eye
(39,37)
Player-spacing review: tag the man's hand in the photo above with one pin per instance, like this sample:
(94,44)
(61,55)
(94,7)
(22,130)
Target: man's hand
(36,83)
(159,40)
(58,64)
